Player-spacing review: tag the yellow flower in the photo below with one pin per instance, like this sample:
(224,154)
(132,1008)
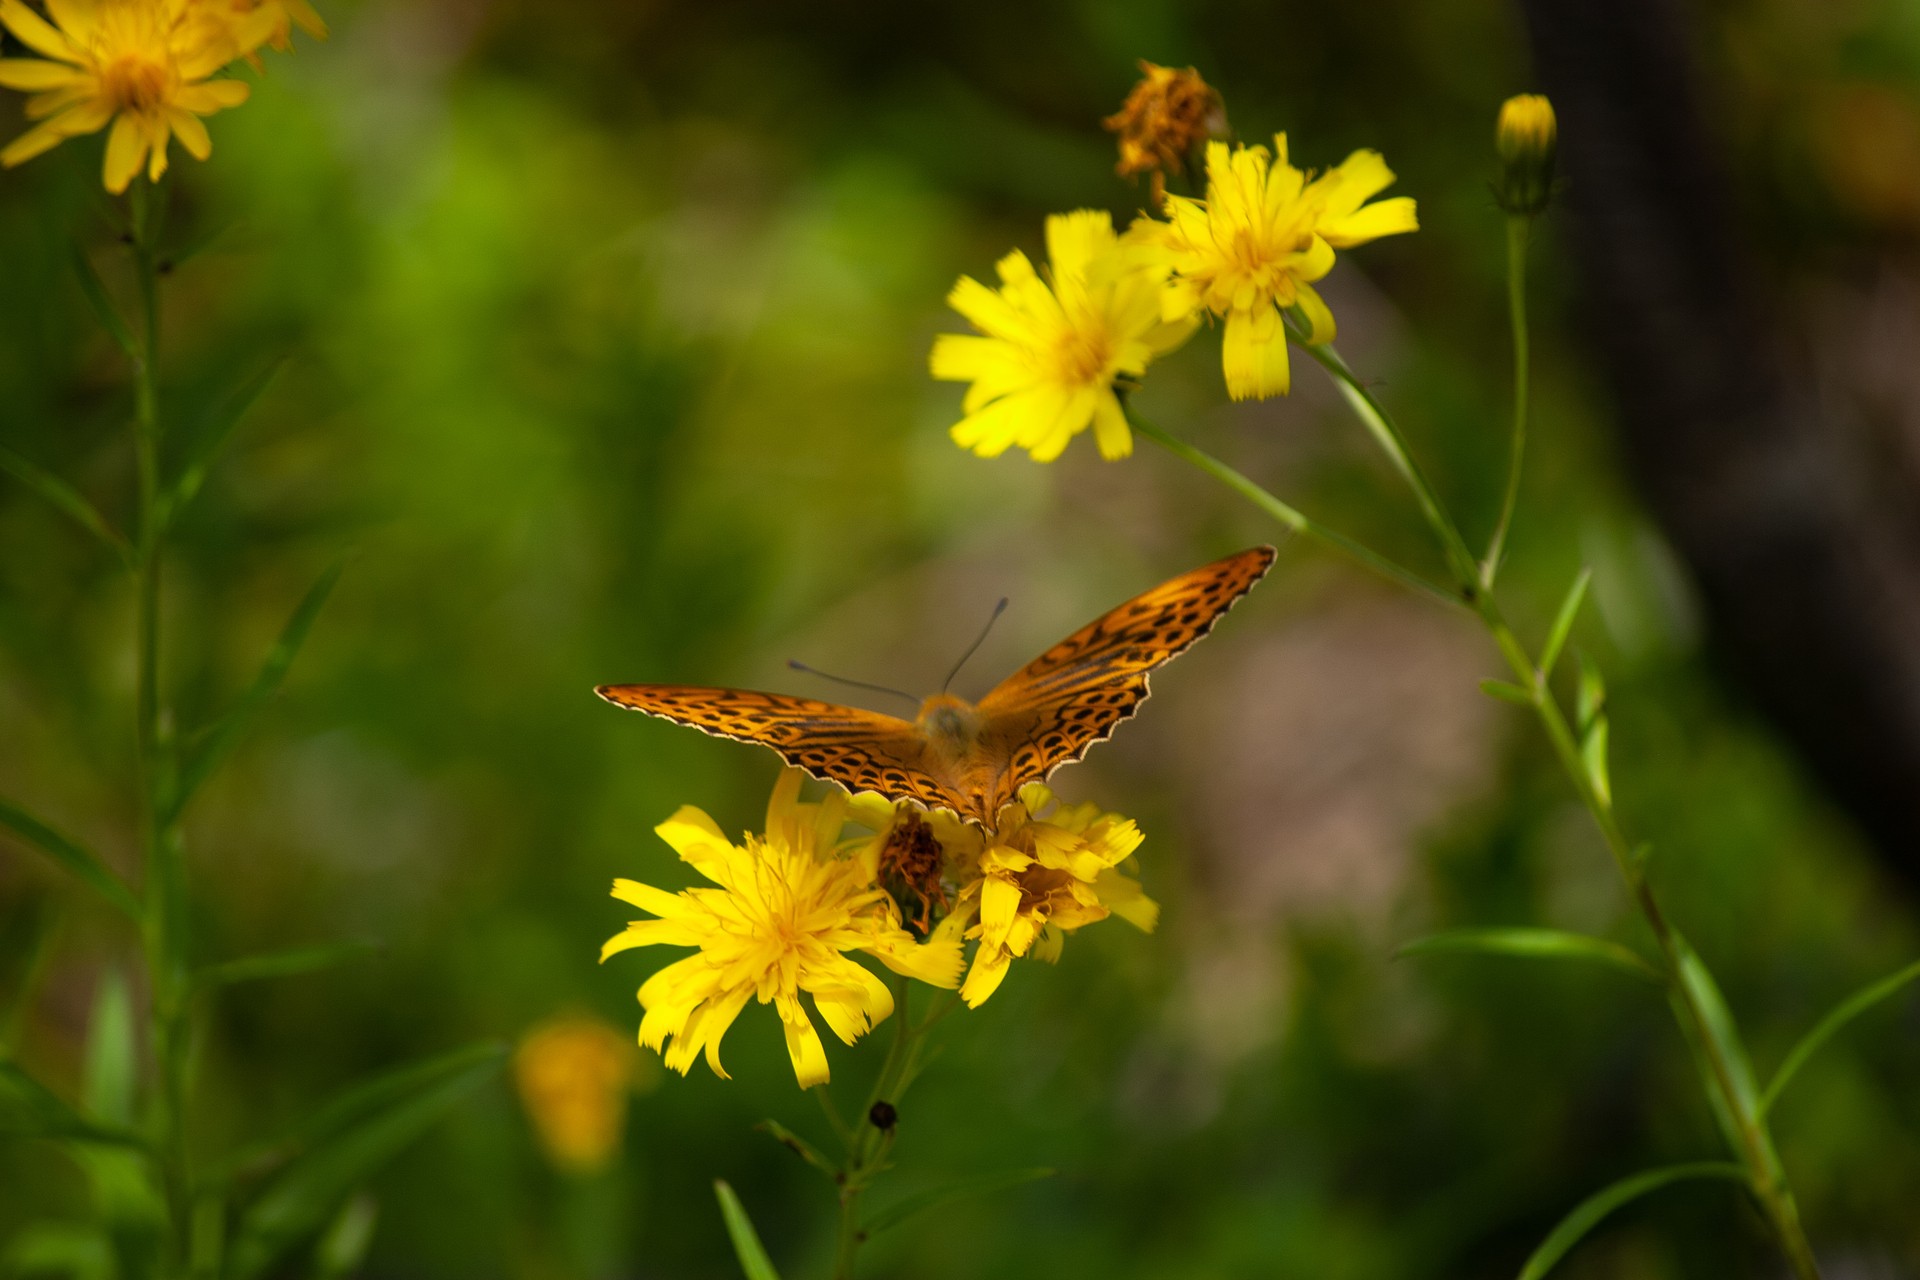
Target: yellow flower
(279,16)
(1054,348)
(1256,244)
(141,65)
(788,909)
(1043,872)
(573,1073)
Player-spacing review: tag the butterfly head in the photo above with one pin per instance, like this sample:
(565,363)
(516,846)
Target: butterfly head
(945,718)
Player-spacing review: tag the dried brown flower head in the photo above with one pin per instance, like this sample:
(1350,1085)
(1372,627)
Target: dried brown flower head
(1169,114)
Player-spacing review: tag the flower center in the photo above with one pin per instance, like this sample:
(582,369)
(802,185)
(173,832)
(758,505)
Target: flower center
(133,83)
(1081,355)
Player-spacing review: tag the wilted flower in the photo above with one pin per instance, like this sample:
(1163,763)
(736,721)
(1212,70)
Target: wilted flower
(1253,248)
(142,66)
(788,909)
(573,1073)
(1526,137)
(1166,117)
(1054,348)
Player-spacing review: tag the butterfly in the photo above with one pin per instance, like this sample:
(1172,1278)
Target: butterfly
(973,757)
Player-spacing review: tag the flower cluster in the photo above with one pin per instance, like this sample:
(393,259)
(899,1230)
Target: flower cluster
(1056,352)
(790,908)
(148,68)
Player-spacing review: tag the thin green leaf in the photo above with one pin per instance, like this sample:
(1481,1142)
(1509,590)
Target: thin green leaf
(216,428)
(1551,944)
(103,307)
(1843,1013)
(71,855)
(281,964)
(67,498)
(746,1241)
(30,1109)
(191,248)
(1589,1213)
(1506,692)
(300,1200)
(1593,695)
(1563,622)
(798,1145)
(357,1104)
(1593,754)
(344,1247)
(110,1066)
(979,1185)
(1730,1087)
(230,728)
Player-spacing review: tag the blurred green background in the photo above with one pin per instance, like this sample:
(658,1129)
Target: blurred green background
(604,330)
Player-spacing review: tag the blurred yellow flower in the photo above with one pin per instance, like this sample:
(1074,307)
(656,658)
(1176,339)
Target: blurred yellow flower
(1054,348)
(1253,247)
(789,907)
(279,18)
(1526,137)
(573,1073)
(142,66)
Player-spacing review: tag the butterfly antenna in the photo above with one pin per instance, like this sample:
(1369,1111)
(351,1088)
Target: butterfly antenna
(977,642)
(853,684)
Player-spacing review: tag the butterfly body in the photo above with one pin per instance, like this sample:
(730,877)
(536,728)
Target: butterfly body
(973,758)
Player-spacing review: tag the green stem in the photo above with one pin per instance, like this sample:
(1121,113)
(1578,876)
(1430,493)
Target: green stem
(1288,515)
(1753,1140)
(160,841)
(867,1144)
(1518,226)
(1750,1137)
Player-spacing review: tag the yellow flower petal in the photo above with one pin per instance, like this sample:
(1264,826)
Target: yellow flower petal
(35,74)
(126,148)
(35,33)
(1254,354)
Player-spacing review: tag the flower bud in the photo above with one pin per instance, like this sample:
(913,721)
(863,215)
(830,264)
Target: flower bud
(1526,138)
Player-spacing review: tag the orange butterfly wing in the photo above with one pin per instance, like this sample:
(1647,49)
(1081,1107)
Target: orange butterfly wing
(1073,695)
(860,750)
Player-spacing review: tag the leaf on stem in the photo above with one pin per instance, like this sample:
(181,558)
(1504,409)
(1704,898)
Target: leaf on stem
(215,429)
(346,1142)
(746,1241)
(60,1248)
(1550,944)
(67,499)
(281,964)
(110,1066)
(1593,695)
(1589,1213)
(978,1185)
(1563,622)
(109,315)
(71,855)
(1593,754)
(1506,692)
(30,1109)
(343,1248)
(1841,1014)
(798,1145)
(225,733)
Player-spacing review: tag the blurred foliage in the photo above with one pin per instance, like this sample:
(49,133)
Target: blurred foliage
(602,334)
